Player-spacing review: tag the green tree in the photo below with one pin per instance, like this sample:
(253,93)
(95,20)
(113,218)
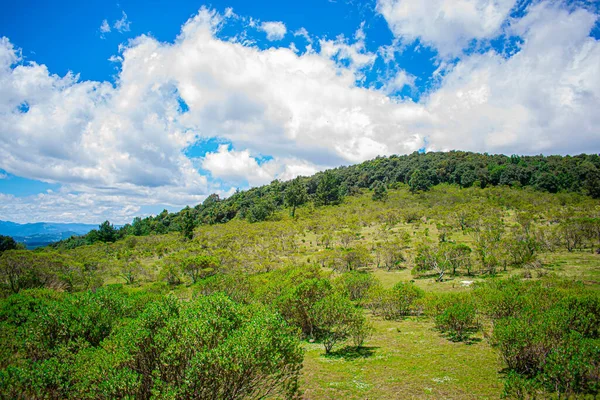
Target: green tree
(379,192)
(7,243)
(295,195)
(199,267)
(336,320)
(188,223)
(419,181)
(107,232)
(328,189)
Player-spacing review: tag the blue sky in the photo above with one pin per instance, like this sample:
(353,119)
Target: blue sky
(112,110)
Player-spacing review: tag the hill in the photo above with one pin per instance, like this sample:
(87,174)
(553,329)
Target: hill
(420,171)
(385,290)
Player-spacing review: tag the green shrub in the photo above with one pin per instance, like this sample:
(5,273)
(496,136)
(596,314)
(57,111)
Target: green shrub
(548,334)
(394,303)
(355,285)
(112,345)
(337,319)
(458,321)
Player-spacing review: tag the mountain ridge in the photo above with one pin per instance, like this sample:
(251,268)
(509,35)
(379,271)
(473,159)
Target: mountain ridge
(38,234)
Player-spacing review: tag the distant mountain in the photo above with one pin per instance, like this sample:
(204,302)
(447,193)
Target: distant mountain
(42,233)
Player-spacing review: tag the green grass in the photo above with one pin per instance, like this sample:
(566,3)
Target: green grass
(579,265)
(406,359)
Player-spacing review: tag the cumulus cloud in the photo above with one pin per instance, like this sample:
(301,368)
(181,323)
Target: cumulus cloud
(541,100)
(303,33)
(446,25)
(115,147)
(238,167)
(275,30)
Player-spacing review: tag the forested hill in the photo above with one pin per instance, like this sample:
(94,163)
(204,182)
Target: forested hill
(420,171)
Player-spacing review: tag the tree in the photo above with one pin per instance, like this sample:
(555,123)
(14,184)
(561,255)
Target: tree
(328,189)
(392,254)
(459,320)
(572,233)
(457,256)
(7,243)
(396,302)
(188,223)
(129,268)
(198,267)
(430,258)
(295,195)
(355,284)
(347,236)
(336,320)
(488,244)
(419,181)
(107,232)
(356,258)
(379,192)
(140,227)
(261,210)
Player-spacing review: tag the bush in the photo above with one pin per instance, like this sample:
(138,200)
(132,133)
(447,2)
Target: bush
(355,285)
(337,319)
(111,345)
(458,321)
(394,303)
(548,334)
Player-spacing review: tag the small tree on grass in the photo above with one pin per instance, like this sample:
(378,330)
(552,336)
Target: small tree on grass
(188,223)
(394,303)
(458,321)
(337,319)
(430,258)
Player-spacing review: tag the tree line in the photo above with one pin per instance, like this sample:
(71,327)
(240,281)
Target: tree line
(420,171)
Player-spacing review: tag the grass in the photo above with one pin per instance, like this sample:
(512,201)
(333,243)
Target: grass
(580,265)
(406,359)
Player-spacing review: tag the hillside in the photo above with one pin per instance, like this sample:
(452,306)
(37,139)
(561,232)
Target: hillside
(420,274)
(420,171)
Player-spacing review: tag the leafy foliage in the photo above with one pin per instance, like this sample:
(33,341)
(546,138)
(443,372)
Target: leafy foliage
(108,344)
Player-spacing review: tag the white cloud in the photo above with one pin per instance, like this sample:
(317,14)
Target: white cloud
(117,147)
(238,166)
(104,28)
(123,24)
(275,30)
(541,100)
(304,33)
(446,25)
(3,175)
(399,81)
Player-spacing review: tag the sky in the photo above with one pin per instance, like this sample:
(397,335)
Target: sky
(111,110)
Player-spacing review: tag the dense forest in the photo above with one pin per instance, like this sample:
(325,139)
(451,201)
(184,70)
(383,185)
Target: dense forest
(445,275)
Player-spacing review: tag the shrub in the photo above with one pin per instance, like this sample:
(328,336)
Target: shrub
(355,285)
(111,345)
(458,321)
(396,302)
(337,319)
